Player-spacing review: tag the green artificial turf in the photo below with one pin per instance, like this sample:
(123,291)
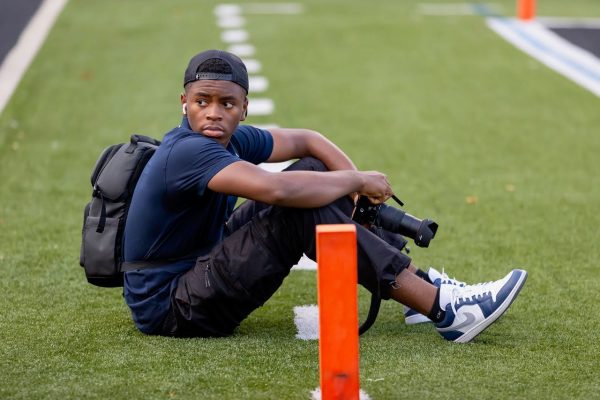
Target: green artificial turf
(500,150)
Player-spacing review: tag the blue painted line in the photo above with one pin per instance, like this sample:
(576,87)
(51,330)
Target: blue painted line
(582,69)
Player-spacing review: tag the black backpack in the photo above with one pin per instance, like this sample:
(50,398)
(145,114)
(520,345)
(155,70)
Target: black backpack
(113,180)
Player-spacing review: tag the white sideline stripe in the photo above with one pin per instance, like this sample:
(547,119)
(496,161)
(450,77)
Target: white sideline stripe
(276,167)
(272,8)
(225,10)
(234,36)
(21,55)
(252,66)
(242,50)
(258,84)
(231,21)
(260,107)
(306,319)
(556,22)
(305,263)
(316,394)
(555,52)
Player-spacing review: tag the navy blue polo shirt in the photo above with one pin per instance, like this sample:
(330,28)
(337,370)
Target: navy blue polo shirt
(174,214)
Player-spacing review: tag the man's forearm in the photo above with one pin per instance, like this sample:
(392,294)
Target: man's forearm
(306,189)
(331,155)
(298,188)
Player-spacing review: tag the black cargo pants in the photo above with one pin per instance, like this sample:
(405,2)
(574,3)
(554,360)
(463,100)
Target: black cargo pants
(243,271)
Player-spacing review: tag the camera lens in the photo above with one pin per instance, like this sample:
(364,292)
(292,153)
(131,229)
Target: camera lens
(398,221)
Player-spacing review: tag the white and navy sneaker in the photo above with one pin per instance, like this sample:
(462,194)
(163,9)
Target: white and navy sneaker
(471,309)
(412,317)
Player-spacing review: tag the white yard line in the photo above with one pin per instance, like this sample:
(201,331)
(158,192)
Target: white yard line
(20,57)
(266,126)
(234,36)
(231,19)
(225,10)
(316,395)
(306,319)
(231,22)
(305,263)
(549,48)
(277,167)
(258,84)
(242,50)
(252,66)
(260,107)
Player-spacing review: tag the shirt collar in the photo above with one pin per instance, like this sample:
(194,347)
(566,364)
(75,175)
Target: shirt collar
(185,123)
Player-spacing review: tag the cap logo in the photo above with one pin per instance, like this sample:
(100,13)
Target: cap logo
(213,76)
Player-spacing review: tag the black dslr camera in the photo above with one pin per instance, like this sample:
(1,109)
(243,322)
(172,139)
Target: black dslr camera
(394,220)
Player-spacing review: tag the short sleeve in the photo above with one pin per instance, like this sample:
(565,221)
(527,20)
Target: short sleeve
(193,162)
(252,144)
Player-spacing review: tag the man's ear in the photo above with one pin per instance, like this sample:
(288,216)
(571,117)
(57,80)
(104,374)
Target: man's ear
(245,107)
(183,104)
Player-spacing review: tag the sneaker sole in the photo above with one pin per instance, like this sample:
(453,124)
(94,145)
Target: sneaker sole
(477,329)
(416,319)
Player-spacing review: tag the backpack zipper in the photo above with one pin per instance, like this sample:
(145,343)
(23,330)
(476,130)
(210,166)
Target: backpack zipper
(206,271)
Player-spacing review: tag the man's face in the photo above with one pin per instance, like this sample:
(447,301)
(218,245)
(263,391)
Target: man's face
(215,108)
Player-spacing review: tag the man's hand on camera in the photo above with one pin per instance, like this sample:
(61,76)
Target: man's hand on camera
(376,187)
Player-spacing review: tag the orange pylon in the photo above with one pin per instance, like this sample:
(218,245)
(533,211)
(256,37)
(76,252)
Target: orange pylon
(526,9)
(337,277)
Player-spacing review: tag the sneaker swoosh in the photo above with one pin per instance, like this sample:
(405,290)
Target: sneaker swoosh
(470,318)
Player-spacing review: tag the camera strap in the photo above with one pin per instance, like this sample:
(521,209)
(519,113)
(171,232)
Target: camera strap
(372,315)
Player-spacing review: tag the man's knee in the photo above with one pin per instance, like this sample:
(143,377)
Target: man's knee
(307,164)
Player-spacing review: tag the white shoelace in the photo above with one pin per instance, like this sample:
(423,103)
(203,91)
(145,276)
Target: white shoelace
(470,292)
(474,292)
(451,281)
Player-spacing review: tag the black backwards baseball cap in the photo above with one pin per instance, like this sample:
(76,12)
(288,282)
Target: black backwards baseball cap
(216,65)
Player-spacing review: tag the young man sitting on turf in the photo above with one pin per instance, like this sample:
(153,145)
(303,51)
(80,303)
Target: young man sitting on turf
(216,265)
